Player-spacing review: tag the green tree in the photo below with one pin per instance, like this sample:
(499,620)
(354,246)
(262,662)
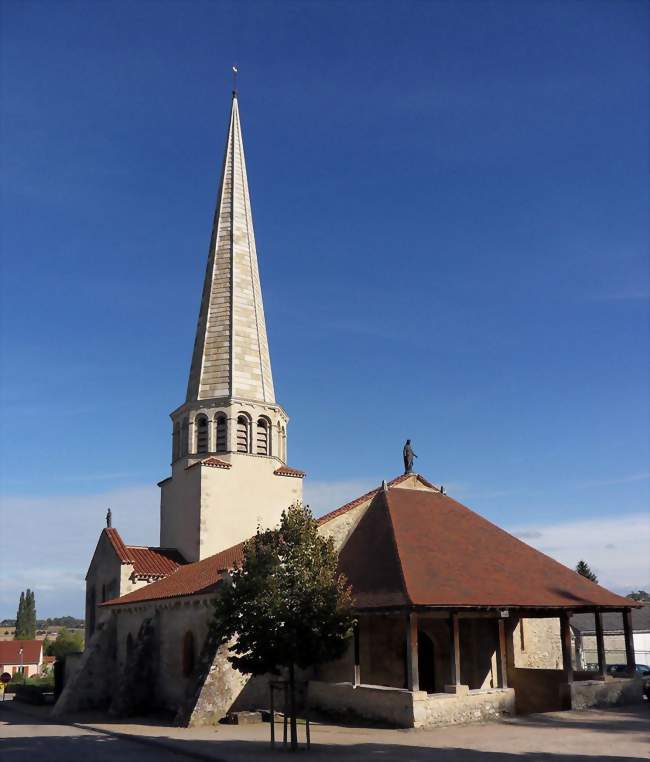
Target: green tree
(20,617)
(639,595)
(66,642)
(286,606)
(582,567)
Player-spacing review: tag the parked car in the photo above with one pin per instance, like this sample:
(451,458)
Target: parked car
(621,669)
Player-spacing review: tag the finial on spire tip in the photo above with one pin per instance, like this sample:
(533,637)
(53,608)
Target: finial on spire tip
(235,71)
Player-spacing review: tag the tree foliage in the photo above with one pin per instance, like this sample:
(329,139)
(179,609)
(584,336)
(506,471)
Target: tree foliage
(26,617)
(639,595)
(286,606)
(582,567)
(66,642)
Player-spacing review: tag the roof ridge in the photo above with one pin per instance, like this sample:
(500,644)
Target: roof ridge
(407,594)
(361,499)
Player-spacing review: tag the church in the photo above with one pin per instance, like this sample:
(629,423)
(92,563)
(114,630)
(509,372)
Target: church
(457,620)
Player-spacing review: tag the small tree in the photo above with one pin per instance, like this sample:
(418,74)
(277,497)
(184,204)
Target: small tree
(582,567)
(66,642)
(639,595)
(286,606)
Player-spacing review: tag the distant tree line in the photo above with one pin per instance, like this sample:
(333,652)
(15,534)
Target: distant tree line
(41,624)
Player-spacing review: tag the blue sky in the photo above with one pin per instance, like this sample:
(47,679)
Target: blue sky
(451,210)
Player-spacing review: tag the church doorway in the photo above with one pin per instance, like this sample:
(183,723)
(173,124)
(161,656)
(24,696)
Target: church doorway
(426,663)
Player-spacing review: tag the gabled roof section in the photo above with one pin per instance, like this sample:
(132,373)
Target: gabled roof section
(191,579)
(612,622)
(146,562)
(422,548)
(231,352)
(10,651)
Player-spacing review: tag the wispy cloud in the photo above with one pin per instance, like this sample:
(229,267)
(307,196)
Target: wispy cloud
(621,565)
(54,538)
(630,479)
(325,496)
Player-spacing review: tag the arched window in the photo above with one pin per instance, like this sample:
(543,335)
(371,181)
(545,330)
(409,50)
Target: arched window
(129,647)
(184,436)
(202,434)
(221,422)
(243,425)
(263,437)
(283,444)
(188,654)
(176,442)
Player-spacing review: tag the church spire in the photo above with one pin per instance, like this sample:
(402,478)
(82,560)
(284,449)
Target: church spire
(231,352)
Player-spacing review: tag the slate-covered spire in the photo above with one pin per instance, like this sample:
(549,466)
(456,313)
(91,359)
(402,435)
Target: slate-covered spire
(231,352)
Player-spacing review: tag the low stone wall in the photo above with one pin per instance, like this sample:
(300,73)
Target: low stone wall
(405,709)
(598,693)
(393,706)
(437,709)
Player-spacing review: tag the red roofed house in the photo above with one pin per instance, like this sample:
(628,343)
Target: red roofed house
(457,619)
(21,656)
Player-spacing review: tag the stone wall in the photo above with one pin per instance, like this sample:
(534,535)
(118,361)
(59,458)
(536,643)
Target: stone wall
(436,710)
(536,644)
(405,709)
(599,693)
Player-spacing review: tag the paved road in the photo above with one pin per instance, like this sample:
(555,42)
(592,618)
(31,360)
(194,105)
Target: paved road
(613,735)
(21,741)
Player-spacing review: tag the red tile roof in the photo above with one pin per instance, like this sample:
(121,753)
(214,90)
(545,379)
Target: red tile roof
(213,462)
(10,651)
(146,562)
(421,548)
(288,471)
(202,576)
(191,579)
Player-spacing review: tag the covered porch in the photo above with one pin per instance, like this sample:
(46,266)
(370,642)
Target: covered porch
(423,667)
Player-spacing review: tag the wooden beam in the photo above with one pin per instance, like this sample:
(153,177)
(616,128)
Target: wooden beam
(503,655)
(600,644)
(629,640)
(454,631)
(357,664)
(565,636)
(412,667)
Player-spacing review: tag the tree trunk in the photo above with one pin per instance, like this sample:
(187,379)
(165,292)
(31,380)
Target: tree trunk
(292,708)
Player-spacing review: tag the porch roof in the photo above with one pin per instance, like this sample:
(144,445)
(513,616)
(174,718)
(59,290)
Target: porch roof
(422,548)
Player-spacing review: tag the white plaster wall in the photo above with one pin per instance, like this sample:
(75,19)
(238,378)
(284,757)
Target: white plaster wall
(180,506)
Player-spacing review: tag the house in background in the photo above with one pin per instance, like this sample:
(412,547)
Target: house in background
(21,656)
(584,633)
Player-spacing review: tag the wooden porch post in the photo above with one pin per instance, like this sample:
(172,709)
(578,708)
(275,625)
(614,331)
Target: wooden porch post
(600,644)
(629,640)
(455,650)
(565,635)
(503,656)
(412,670)
(357,665)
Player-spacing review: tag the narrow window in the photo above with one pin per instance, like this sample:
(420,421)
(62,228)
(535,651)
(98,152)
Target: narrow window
(188,654)
(184,436)
(222,425)
(202,443)
(262,437)
(242,434)
(176,442)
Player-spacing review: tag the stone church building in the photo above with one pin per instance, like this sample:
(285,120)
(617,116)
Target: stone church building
(456,619)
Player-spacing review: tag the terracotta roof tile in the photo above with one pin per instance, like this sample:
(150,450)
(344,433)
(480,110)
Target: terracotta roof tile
(212,462)
(154,562)
(118,545)
(191,579)
(288,471)
(10,651)
(436,552)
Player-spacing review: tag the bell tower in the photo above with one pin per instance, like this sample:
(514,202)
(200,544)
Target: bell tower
(229,441)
